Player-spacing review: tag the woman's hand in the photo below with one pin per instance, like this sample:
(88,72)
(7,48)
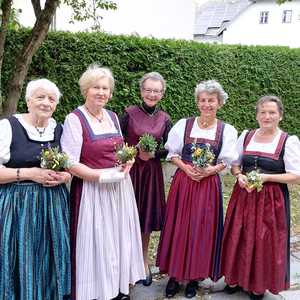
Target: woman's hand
(59,178)
(39,175)
(192,172)
(145,155)
(127,166)
(208,171)
(242,180)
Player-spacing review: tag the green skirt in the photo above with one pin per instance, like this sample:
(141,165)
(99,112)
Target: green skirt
(34,242)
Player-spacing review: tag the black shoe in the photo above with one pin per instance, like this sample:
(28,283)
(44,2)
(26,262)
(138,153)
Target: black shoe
(191,289)
(148,280)
(172,288)
(121,297)
(256,297)
(231,290)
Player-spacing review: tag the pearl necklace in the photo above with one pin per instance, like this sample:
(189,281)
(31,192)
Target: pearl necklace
(99,119)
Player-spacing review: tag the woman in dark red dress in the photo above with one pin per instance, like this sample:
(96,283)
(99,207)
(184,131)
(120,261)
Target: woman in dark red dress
(146,173)
(190,242)
(255,251)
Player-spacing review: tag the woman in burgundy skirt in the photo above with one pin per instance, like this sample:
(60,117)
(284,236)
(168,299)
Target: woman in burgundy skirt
(146,173)
(255,251)
(190,242)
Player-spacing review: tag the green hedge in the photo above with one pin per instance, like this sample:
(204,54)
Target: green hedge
(245,72)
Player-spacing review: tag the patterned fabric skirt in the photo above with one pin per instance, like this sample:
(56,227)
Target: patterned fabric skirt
(34,242)
(190,242)
(255,251)
(148,183)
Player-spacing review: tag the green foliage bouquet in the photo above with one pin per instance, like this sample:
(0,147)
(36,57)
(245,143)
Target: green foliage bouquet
(254,180)
(125,153)
(54,159)
(147,143)
(202,156)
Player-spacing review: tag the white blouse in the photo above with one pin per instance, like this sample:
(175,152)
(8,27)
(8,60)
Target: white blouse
(6,135)
(71,140)
(291,155)
(175,140)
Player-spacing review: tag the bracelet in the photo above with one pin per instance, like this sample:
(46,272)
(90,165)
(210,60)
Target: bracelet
(18,175)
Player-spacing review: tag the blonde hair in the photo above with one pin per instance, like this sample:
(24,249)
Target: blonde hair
(93,73)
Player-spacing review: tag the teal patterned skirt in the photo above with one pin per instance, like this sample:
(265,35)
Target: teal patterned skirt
(34,242)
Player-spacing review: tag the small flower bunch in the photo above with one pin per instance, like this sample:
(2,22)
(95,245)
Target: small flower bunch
(54,159)
(202,156)
(254,180)
(125,153)
(147,143)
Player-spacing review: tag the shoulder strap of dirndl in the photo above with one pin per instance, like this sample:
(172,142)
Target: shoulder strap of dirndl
(188,128)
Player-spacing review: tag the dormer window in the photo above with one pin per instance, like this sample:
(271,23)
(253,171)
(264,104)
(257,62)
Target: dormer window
(287,16)
(264,16)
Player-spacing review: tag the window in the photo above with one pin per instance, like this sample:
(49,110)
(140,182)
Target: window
(264,16)
(287,16)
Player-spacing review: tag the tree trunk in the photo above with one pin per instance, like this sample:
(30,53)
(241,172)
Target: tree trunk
(23,60)
(6,10)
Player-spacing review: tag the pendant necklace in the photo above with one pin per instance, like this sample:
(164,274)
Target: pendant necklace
(40,131)
(205,124)
(99,119)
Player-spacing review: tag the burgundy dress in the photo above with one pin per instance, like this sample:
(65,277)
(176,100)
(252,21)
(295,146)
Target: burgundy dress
(190,241)
(147,176)
(255,250)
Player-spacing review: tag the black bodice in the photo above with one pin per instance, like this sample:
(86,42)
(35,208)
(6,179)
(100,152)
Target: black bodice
(24,152)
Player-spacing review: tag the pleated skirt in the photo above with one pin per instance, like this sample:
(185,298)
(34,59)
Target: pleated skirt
(255,250)
(34,242)
(191,239)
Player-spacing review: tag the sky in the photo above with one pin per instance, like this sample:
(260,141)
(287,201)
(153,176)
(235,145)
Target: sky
(154,18)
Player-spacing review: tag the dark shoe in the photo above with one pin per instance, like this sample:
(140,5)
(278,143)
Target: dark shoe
(148,280)
(231,290)
(191,289)
(121,297)
(172,288)
(256,297)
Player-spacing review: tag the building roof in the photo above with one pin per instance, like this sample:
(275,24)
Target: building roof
(214,16)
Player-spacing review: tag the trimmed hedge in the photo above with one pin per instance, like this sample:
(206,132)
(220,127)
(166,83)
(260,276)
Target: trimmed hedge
(246,72)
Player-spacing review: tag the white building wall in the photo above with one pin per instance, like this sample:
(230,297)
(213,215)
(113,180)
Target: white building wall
(155,18)
(247,30)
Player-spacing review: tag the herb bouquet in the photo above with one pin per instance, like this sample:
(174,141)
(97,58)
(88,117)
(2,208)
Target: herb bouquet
(147,143)
(254,180)
(54,159)
(202,157)
(125,153)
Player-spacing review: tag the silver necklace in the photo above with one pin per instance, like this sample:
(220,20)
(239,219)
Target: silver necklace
(40,131)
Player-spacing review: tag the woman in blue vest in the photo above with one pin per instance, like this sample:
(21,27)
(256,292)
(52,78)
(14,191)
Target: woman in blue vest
(34,203)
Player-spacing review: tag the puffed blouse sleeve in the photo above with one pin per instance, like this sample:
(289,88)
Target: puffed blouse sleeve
(239,148)
(71,140)
(228,152)
(5,141)
(175,140)
(291,155)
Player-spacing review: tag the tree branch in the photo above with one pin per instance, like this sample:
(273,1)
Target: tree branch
(31,45)
(36,7)
(6,10)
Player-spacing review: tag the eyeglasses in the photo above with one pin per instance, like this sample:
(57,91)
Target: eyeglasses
(155,92)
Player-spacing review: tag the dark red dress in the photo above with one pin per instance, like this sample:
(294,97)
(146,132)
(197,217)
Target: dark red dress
(147,176)
(190,241)
(255,251)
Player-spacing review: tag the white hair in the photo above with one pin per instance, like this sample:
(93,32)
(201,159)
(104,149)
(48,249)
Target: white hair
(43,83)
(211,87)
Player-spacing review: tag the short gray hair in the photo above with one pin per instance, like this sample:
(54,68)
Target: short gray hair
(42,83)
(211,87)
(270,98)
(153,76)
(93,73)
